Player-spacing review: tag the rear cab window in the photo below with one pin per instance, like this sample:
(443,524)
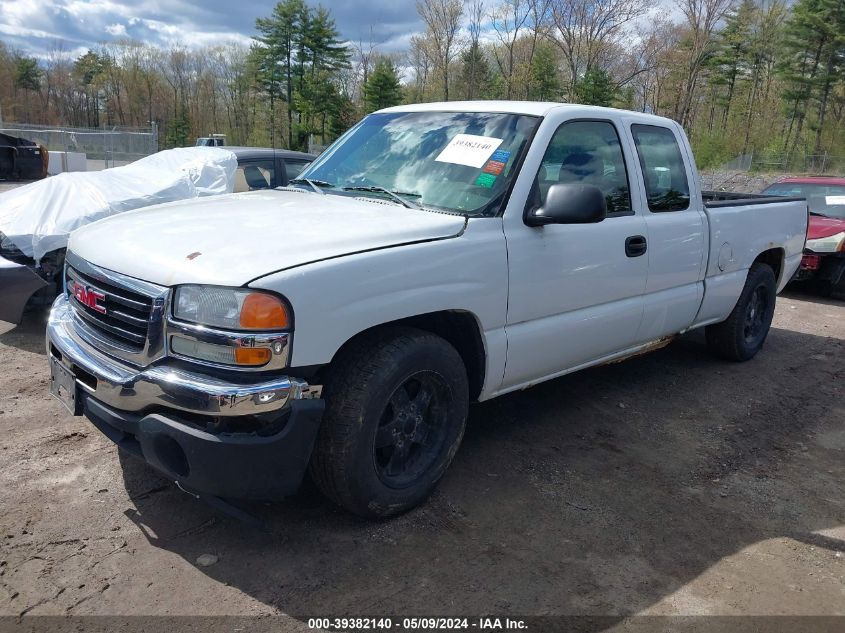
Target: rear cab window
(663,167)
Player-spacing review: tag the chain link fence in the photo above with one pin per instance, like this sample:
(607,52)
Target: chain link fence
(824,163)
(109,147)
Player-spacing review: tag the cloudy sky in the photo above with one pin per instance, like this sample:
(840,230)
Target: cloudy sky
(36,26)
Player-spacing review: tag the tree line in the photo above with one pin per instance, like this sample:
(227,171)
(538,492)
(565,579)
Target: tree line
(742,76)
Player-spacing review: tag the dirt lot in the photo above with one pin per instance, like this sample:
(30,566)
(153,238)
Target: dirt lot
(668,484)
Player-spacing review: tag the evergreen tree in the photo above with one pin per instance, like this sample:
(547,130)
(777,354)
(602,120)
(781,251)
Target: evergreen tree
(27,73)
(814,47)
(731,61)
(299,48)
(545,78)
(27,77)
(179,130)
(279,39)
(382,89)
(475,72)
(596,87)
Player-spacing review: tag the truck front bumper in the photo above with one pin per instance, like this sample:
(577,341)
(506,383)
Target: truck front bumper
(157,413)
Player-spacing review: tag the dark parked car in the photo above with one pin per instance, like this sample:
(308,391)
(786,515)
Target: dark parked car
(265,168)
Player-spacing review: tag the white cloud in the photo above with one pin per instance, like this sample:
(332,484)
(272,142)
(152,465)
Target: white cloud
(118,30)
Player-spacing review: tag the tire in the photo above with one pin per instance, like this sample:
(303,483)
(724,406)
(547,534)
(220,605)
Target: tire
(742,334)
(396,407)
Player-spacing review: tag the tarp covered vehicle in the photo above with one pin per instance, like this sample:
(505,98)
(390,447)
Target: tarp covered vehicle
(36,219)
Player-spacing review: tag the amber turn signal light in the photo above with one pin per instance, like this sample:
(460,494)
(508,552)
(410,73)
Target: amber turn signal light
(252,355)
(262,311)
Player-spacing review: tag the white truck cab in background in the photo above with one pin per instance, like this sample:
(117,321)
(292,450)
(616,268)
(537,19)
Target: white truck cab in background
(434,255)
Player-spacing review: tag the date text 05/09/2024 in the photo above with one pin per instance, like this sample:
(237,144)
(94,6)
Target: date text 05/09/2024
(482,623)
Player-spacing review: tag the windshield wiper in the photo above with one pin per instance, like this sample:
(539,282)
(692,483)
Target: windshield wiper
(316,185)
(396,195)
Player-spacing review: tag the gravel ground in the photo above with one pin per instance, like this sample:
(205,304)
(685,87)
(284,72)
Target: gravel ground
(668,484)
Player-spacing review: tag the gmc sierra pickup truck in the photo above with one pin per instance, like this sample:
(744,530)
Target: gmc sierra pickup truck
(434,255)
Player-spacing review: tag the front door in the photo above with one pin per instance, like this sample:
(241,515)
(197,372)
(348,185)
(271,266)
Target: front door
(576,291)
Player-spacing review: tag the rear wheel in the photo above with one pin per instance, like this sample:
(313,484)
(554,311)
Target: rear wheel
(742,334)
(396,405)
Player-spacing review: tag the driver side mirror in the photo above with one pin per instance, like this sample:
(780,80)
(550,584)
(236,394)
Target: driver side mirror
(570,203)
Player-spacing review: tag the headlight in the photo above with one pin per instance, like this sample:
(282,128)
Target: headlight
(230,308)
(829,244)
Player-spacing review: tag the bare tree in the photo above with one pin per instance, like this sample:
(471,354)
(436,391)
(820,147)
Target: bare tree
(364,57)
(442,20)
(585,30)
(473,56)
(538,24)
(420,59)
(702,17)
(645,67)
(508,19)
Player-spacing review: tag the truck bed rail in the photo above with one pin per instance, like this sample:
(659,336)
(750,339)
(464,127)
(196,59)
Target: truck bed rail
(734,199)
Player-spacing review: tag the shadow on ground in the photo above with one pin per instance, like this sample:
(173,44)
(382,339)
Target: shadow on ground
(597,493)
(29,335)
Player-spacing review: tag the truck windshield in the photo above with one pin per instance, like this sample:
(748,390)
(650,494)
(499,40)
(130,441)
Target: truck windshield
(460,162)
(822,199)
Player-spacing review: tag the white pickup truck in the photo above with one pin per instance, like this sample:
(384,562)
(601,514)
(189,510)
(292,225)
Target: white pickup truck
(434,255)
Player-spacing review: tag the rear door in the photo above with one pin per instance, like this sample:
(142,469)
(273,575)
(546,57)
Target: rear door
(676,228)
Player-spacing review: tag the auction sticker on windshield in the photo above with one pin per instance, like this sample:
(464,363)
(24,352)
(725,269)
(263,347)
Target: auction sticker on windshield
(831,200)
(469,150)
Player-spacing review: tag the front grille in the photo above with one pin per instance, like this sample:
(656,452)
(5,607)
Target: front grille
(125,321)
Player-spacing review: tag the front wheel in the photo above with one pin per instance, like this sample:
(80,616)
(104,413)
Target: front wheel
(742,334)
(396,406)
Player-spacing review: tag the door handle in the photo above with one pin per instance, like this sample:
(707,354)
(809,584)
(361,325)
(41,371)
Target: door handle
(635,246)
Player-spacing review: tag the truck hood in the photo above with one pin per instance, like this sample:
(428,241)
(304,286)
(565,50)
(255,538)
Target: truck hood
(233,239)
(824,227)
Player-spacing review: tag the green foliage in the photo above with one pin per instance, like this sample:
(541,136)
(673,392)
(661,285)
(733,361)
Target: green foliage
(711,151)
(812,62)
(545,76)
(297,59)
(89,67)
(475,73)
(596,87)
(383,88)
(27,73)
(179,130)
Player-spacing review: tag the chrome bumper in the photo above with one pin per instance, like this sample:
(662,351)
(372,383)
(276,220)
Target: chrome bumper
(131,389)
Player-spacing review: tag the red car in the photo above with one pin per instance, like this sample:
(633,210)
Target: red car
(824,255)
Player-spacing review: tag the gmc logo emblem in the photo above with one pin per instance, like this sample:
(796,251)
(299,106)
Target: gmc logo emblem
(89,297)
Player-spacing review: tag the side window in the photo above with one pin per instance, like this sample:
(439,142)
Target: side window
(253,175)
(586,152)
(294,167)
(664,171)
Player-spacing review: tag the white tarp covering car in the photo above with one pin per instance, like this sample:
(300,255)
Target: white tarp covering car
(37,218)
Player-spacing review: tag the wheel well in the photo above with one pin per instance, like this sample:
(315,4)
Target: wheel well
(461,330)
(774,259)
